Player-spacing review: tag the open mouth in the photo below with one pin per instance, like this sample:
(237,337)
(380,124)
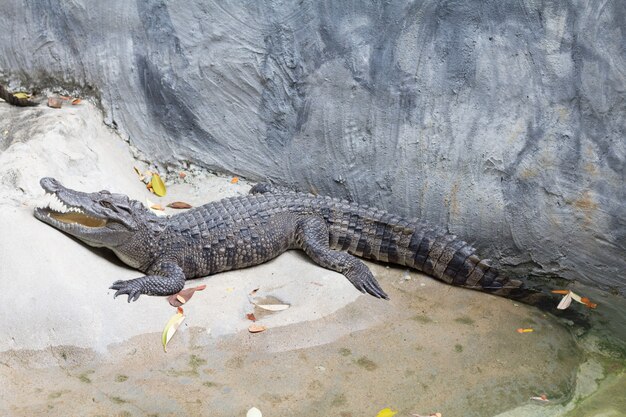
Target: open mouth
(56,209)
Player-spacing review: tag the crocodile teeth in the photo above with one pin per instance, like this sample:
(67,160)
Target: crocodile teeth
(52,202)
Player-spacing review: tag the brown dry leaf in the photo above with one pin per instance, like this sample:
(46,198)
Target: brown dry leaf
(250,316)
(157,207)
(55,102)
(256,328)
(182,175)
(185,294)
(235,180)
(179,205)
(66,98)
(76,101)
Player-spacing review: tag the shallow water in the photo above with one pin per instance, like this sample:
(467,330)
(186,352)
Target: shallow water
(432,348)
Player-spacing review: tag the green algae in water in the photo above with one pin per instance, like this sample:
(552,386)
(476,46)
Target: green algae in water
(464,320)
(366,363)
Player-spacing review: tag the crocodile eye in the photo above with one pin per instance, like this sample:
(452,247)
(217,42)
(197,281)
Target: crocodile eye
(105,204)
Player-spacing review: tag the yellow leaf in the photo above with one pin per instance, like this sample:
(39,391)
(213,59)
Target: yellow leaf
(386,412)
(21,95)
(172,325)
(157,185)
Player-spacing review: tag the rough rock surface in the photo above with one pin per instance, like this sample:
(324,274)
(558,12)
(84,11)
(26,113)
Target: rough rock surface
(504,121)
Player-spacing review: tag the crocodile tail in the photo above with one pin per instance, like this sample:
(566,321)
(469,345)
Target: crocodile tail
(378,235)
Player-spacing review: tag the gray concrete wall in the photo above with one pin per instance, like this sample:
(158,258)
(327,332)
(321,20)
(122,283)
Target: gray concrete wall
(503,120)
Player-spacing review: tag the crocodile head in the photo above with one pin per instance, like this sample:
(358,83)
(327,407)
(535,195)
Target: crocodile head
(100,219)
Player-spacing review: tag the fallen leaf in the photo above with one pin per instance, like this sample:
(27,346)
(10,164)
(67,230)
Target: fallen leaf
(588,302)
(230,289)
(151,206)
(273,307)
(181,175)
(542,398)
(185,294)
(54,102)
(172,325)
(235,180)
(571,295)
(157,207)
(254,412)
(525,330)
(254,291)
(179,205)
(67,98)
(430,415)
(565,302)
(141,177)
(157,185)
(256,328)
(250,316)
(22,96)
(76,101)
(386,412)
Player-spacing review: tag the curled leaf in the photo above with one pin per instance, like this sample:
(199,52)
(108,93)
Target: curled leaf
(157,185)
(182,175)
(179,205)
(273,307)
(542,398)
(172,325)
(250,316)
(184,295)
(565,302)
(76,101)
(256,328)
(571,295)
(235,180)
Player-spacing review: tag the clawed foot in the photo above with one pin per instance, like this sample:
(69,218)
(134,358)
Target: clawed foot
(371,287)
(132,287)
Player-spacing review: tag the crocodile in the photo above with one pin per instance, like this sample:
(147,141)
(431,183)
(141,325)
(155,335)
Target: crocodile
(243,231)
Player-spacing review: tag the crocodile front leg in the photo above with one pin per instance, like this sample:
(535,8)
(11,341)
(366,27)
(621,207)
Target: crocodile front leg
(166,279)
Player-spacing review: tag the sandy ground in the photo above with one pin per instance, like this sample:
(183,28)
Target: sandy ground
(69,348)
